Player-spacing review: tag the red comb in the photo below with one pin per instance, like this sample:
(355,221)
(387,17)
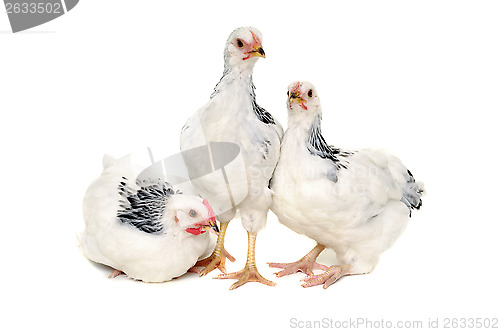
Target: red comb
(297,87)
(211,213)
(255,39)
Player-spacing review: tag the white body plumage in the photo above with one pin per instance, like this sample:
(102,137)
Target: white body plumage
(353,204)
(232,115)
(147,256)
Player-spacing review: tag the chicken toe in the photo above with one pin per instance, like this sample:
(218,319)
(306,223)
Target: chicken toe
(306,264)
(328,278)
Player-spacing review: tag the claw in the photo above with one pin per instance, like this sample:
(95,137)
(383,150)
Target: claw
(331,276)
(195,269)
(115,274)
(213,262)
(306,264)
(218,258)
(248,274)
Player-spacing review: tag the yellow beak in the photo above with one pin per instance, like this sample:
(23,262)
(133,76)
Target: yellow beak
(257,51)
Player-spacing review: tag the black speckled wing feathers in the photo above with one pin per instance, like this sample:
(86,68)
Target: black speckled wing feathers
(143,208)
(317,145)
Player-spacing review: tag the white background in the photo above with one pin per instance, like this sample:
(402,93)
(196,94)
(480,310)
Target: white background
(420,79)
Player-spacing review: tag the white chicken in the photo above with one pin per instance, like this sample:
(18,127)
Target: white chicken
(232,115)
(142,228)
(355,202)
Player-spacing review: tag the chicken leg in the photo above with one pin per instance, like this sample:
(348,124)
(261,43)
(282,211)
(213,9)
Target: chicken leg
(249,272)
(218,258)
(306,264)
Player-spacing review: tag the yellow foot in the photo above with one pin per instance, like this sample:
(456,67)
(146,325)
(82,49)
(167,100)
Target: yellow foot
(115,274)
(334,273)
(213,262)
(246,275)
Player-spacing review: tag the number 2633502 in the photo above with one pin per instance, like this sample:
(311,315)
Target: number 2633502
(471,323)
(33,8)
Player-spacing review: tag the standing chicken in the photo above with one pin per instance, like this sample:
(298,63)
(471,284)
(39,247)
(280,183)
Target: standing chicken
(355,202)
(142,227)
(232,115)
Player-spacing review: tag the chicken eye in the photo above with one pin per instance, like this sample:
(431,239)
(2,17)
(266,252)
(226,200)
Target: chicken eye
(193,213)
(239,43)
(310,93)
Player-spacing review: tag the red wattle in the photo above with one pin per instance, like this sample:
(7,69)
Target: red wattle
(195,231)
